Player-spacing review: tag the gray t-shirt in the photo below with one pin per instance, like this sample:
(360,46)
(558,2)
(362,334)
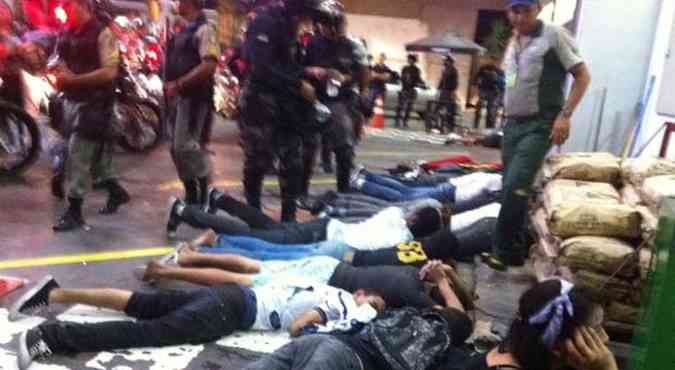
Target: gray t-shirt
(536,68)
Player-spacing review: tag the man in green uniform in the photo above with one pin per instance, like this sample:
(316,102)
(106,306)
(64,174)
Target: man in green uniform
(191,60)
(88,68)
(536,64)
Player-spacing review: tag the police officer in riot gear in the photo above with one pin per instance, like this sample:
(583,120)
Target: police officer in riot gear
(337,65)
(277,103)
(86,74)
(192,56)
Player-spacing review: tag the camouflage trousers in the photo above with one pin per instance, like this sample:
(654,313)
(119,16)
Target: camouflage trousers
(87,158)
(189,118)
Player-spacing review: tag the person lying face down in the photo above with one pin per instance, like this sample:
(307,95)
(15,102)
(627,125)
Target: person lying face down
(405,338)
(386,228)
(174,318)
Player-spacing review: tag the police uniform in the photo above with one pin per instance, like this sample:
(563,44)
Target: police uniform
(273,114)
(88,113)
(411,77)
(192,110)
(349,57)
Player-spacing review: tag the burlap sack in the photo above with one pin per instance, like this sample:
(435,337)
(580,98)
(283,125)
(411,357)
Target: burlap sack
(655,188)
(587,219)
(630,195)
(605,289)
(624,313)
(599,254)
(649,222)
(636,170)
(557,193)
(599,167)
(647,263)
(547,242)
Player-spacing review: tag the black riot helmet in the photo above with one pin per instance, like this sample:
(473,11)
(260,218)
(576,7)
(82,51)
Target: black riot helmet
(323,11)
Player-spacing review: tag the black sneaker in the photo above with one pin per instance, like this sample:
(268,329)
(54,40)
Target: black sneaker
(173,219)
(213,195)
(68,222)
(501,264)
(34,300)
(31,346)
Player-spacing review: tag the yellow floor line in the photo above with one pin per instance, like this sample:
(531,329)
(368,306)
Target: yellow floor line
(87,258)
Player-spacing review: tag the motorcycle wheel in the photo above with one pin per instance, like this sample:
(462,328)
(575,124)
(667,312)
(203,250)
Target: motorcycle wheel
(141,128)
(19,140)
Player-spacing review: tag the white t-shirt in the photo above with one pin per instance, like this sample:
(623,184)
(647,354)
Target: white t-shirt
(476,184)
(279,305)
(386,229)
(463,220)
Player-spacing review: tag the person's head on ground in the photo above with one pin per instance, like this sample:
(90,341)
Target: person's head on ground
(425,221)
(370,297)
(550,317)
(412,59)
(523,15)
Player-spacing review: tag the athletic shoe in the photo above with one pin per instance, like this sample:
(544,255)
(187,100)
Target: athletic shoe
(34,300)
(31,346)
(173,219)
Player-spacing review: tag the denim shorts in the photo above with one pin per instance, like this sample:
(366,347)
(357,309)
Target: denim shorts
(306,271)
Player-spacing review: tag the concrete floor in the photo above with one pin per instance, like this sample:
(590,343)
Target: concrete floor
(27,211)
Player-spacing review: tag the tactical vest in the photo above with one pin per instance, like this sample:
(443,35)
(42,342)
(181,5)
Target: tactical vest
(81,54)
(183,56)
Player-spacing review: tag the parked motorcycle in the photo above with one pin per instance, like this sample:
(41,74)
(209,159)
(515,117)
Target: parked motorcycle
(19,139)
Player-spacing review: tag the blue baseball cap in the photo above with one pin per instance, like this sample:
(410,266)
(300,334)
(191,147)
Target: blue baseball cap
(513,3)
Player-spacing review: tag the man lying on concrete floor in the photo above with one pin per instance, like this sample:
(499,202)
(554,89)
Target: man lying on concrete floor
(442,245)
(354,206)
(173,318)
(463,189)
(387,228)
(399,285)
(397,339)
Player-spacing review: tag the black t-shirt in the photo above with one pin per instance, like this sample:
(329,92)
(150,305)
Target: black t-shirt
(411,77)
(439,246)
(400,286)
(458,361)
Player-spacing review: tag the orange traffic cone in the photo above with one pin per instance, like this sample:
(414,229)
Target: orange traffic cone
(10,284)
(378,114)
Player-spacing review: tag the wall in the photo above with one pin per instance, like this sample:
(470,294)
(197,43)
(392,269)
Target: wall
(615,38)
(654,121)
(437,16)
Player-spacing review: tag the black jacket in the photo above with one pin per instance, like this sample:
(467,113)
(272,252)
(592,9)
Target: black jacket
(408,339)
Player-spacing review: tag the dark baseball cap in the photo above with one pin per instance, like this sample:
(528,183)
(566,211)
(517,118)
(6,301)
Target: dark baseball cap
(513,3)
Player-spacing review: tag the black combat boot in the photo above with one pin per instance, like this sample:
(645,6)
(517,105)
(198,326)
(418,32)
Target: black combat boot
(117,196)
(72,219)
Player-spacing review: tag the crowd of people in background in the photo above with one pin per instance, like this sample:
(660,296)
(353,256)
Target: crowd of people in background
(369,283)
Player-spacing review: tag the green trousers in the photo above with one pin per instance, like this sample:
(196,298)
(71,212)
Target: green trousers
(524,149)
(87,160)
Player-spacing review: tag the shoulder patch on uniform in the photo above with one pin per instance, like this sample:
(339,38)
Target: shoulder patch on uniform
(263,38)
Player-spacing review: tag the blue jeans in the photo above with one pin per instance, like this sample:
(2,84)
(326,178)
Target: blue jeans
(394,191)
(265,251)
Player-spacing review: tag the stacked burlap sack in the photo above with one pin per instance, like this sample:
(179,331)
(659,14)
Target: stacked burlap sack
(596,219)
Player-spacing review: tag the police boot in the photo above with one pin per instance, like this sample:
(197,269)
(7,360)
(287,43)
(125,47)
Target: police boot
(203,187)
(56,184)
(117,196)
(191,191)
(72,219)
